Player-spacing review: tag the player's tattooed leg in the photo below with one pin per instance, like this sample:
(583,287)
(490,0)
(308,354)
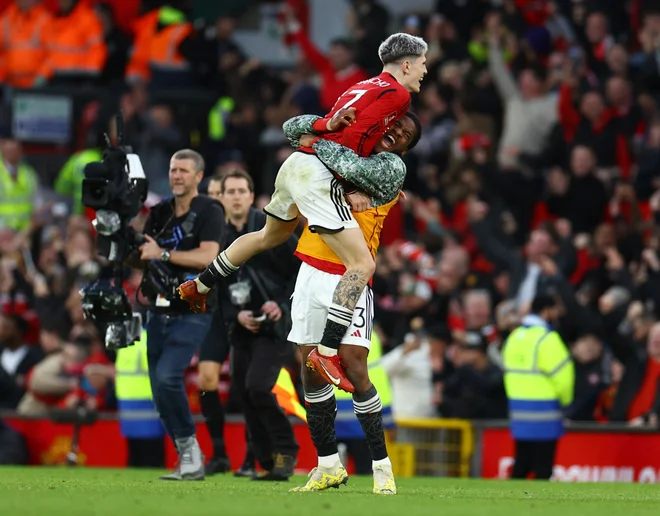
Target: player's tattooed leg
(340,312)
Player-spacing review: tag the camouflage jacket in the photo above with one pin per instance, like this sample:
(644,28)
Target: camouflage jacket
(380,176)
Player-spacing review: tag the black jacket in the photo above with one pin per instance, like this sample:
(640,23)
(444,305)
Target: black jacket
(277,269)
(633,358)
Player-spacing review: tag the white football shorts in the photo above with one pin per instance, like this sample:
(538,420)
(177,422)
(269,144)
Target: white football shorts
(309,309)
(304,186)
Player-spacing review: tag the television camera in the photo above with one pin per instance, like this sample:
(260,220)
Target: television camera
(117,189)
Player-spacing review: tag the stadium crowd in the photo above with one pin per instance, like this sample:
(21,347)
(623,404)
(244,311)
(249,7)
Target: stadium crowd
(538,171)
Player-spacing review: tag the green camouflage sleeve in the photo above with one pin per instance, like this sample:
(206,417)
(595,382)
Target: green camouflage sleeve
(295,127)
(380,176)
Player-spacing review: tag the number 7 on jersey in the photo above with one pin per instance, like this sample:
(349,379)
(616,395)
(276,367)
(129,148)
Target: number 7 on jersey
(358,94)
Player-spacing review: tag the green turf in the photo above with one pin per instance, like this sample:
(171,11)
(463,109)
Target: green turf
(119,492)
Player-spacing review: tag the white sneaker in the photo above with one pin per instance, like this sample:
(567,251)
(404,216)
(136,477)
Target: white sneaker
(175,475)
(191,466)
(384,480)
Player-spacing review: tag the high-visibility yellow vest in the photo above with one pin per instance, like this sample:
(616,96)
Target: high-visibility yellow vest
(346,423)
(539,379)
(137,414)
(17,196)
(286,395)
(70,178)
(218,118)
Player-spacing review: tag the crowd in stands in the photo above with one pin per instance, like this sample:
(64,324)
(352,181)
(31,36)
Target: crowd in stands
(538,171)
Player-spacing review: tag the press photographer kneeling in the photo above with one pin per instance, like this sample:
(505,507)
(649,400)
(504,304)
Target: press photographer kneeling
(182,235)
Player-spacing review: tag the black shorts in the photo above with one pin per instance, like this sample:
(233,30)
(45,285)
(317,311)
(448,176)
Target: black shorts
(215,347)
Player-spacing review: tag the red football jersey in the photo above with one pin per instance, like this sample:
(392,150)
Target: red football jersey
(378,102)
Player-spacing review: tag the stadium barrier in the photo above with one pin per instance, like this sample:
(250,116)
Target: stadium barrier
(102,445)
(590,452)
(432,447)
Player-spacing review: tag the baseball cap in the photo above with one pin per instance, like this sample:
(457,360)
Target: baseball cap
(475,341)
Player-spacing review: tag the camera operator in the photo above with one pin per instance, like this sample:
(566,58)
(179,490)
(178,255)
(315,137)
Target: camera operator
(255,305)
(182,236)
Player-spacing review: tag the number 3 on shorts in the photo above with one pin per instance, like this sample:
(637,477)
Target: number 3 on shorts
(360,313)
(357,93)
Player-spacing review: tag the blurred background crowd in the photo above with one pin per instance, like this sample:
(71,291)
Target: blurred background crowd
(538,172)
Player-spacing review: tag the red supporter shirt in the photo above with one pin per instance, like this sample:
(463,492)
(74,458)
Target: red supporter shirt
(643,401)
(334,82)
(378,102)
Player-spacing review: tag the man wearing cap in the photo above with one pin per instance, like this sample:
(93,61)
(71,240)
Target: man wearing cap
(539,381)
(475,389)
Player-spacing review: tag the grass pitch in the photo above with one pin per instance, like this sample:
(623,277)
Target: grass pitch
(119,492)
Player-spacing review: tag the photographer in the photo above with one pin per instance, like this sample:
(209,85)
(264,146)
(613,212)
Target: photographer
(255,305)
(182,236)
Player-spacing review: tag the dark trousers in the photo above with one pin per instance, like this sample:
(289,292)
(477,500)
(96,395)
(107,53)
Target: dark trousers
(172,341)
(146,453)
(537,457)
(359,450)
(255,366)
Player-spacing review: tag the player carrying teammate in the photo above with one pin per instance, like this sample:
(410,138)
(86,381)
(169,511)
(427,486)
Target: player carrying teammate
(304,185)
(319,275)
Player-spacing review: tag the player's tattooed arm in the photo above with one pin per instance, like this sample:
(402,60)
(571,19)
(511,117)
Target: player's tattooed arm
(380,176)
(295,127)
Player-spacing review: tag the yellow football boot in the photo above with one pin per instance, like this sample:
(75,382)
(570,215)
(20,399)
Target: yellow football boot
(384,480)
(322,479)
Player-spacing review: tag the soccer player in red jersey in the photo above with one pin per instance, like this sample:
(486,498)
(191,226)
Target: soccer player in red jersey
(305,186)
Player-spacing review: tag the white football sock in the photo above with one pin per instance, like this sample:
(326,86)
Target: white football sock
(382,462)
(329,462)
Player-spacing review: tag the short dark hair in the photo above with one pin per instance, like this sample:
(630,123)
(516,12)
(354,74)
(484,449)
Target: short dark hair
(418,128)
(21,325)
(237,174)
(55,326)
(552,232)
(537,71)
(542,302)
(343,42)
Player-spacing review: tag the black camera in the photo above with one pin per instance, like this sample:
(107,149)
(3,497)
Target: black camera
(116,188)
(108,307)
(160,280)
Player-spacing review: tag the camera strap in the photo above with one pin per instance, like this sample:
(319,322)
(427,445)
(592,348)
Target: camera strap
(252,221)
(188,223)
(258,283)
(198,204)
